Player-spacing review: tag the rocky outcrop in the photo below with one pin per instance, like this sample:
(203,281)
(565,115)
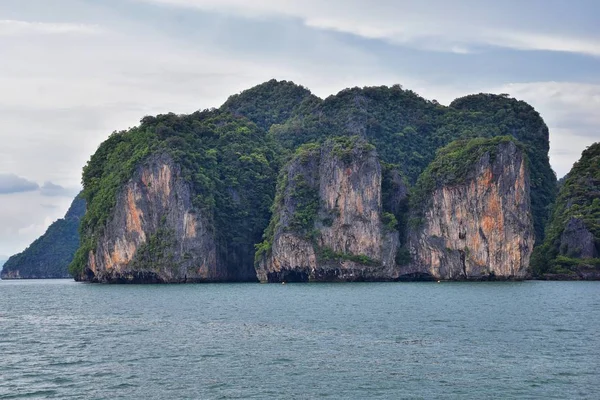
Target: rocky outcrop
(577,241)
(476,226)
(328,224)
(155,235)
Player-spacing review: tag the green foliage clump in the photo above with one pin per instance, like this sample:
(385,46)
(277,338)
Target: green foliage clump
(228,161)
(272,102)
(306,198)
(389,221)
(327,254)
(156,252)
(50,255)
(403,256)
(346,147)
(579,198)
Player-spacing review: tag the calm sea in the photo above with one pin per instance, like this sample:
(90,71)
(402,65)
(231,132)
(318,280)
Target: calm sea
(64,340)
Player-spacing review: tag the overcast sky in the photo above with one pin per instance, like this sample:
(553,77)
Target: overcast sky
(73,71)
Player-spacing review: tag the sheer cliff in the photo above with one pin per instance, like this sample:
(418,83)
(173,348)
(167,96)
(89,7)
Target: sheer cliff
(49,255)
(177,199)
(471,213)
(328,222)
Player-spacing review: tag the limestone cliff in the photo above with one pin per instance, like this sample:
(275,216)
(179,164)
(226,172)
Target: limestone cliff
(179,198)
(327,223)
(475,220)
(154,235)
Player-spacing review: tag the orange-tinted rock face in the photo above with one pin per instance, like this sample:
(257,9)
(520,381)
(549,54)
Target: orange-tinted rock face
(154,235)
(479,228)
(348,222)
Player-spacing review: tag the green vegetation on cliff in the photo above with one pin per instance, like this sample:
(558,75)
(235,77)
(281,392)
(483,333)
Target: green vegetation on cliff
(406,128)
(272,102)
(49,255)
(231,155)
(453,165)
(304,188)
(229,162)
(573,233)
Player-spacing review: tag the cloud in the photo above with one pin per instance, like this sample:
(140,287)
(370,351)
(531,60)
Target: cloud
(11,183)
(13,28)
(433,25)
(52,190)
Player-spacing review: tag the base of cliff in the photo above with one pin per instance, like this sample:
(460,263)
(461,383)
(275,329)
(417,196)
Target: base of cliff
(588,276)
(149,277)
(329,274)
(424,277)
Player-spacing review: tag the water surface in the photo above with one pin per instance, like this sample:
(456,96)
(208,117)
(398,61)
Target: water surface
(61,339)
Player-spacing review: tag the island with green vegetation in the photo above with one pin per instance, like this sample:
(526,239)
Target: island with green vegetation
(370,184)
(48,256)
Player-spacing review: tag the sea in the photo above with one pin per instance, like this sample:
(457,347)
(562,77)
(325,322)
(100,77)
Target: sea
(508,340)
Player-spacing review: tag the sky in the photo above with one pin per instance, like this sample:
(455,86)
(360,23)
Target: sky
(73,71)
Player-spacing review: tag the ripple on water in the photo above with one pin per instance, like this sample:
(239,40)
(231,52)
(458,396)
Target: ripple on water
(387,341)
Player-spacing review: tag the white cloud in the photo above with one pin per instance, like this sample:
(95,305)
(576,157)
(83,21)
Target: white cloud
(11,183)
(433,25)
(13,28)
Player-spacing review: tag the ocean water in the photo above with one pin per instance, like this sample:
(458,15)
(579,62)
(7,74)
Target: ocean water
(65,340)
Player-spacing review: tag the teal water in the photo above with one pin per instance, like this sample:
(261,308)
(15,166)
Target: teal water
(64,340)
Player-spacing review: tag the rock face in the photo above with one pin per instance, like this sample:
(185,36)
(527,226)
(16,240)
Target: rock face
(479,228)
(328,223)
(155,235)
(48,257)
(577,241)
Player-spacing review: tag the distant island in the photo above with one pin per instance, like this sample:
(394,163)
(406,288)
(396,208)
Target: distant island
(371,184)
(48,256)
